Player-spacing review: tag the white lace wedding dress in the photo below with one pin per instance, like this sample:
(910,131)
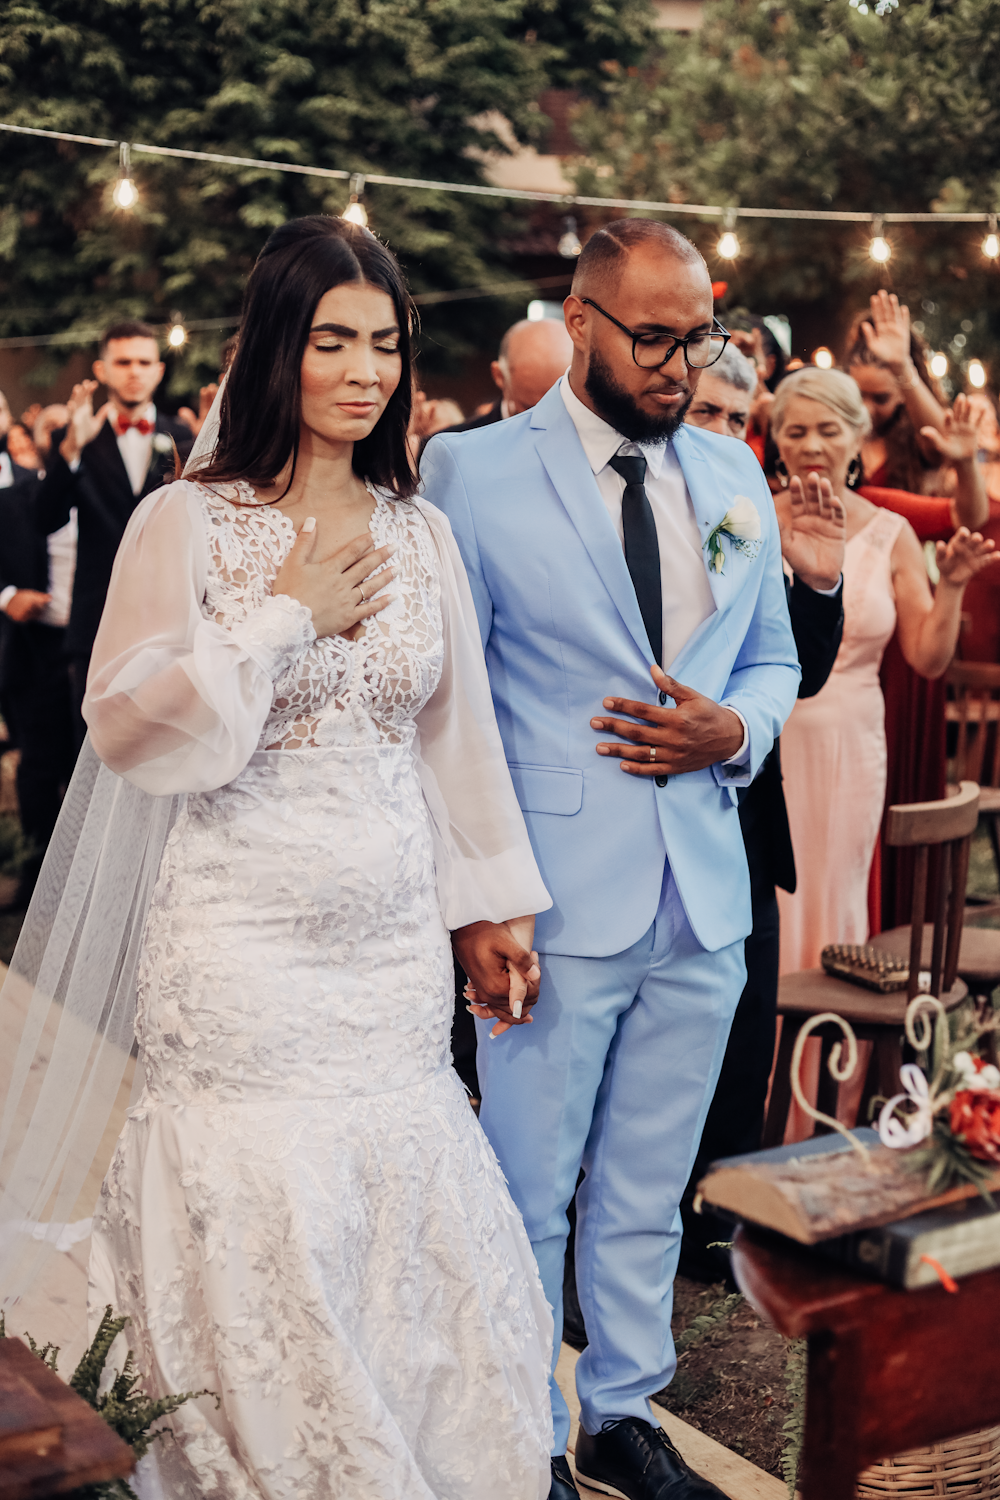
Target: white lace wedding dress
(302,1215)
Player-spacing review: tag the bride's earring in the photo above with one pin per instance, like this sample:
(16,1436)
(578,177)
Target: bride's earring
(782,472)
(855,473)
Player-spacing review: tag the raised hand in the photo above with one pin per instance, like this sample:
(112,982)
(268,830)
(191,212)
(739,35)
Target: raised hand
(84,422)
(695,734)
(813,542)
(959,442)
(888,333)
(965,555)
(338,589)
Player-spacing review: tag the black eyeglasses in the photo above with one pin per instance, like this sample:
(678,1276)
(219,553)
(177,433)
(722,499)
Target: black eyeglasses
(651,350)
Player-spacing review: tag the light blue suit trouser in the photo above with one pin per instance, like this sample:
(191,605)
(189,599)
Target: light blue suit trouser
(616,1074)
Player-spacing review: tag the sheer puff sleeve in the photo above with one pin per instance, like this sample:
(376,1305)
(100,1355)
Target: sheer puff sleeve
(174,702)
(486,869)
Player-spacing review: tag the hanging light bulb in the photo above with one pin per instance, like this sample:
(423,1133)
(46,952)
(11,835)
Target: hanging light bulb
(126,194)
(355,212)
(729,245)
(878,246)
(569,241)
(822,358)
(977,374)
(991,244)
(939,366)
(177,336)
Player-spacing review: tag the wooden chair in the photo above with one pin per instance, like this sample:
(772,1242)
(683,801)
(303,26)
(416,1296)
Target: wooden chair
(974,709)
(940,833)
(887,1370)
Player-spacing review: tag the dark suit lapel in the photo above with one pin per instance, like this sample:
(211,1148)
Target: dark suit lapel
(108,471)
(161,465)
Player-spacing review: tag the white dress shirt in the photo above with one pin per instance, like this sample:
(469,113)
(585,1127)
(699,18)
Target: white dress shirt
(6,471)
(685,589)
(136,448)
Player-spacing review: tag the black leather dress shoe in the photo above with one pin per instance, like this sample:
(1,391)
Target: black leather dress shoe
(563,1487)
(632,1459)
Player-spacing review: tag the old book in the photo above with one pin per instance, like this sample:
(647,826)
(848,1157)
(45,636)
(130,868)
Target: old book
(819,1188)
(962,1238)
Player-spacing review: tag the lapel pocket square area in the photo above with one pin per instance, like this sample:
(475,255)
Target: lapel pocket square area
(741,524)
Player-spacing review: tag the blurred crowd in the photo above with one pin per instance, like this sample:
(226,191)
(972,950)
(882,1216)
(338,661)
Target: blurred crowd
(72,472)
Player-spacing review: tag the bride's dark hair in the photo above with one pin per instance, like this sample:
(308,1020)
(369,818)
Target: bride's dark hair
(259,413)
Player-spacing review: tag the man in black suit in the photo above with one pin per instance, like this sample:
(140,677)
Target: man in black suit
(815,602)
(102,465)
(36,578)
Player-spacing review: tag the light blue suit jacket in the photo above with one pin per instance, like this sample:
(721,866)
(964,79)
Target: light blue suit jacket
(561,629)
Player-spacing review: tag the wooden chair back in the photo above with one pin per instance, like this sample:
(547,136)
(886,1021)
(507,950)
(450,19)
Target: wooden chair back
(976,706)
(946,827)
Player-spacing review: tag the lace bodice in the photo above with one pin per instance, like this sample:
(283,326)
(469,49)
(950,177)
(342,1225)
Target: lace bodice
(333,691)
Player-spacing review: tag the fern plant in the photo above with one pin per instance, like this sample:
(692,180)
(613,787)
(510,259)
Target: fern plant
(127,1410)
(794,1425)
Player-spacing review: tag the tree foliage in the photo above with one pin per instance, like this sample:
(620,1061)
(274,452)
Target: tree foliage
(402,87)
(809,104)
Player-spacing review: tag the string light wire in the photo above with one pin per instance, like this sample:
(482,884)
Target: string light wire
(475,189)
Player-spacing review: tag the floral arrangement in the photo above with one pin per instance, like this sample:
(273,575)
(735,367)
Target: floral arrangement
(127,1411)
(951,1123)
(741,524)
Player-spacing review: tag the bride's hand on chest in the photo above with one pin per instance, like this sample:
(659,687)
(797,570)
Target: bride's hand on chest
(336,587)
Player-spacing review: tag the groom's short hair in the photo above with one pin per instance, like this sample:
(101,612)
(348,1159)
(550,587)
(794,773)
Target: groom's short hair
(605,254)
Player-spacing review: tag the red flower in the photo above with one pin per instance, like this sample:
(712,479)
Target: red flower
(975,1119)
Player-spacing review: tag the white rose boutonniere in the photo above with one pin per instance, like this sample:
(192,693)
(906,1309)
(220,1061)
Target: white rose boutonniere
(162,443)
(741,524)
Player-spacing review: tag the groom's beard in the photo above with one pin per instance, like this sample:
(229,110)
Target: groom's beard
(620,411)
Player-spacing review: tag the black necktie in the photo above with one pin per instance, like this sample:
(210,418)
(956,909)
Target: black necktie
(642,552)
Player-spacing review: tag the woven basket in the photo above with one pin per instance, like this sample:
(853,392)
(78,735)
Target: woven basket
(962,1467)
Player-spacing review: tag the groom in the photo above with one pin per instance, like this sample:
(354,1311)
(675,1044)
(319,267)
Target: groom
(585,526)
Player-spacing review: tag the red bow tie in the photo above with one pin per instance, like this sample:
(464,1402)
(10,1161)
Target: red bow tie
(140,425)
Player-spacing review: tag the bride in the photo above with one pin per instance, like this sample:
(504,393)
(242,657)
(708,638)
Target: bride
(302,1215)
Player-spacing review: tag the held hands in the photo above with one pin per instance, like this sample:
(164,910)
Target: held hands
(958,441)
(337,588)
(813,544)
(695,734)
(965,555)
(502,968)
(888,334)
(84,422)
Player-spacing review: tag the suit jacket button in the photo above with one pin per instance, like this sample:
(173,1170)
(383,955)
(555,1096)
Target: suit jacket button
(662,780)
(663,697)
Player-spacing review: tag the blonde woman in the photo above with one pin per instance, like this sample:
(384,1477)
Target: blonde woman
(833,748)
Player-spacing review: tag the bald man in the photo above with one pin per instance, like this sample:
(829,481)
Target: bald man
(590,527)
(532,356)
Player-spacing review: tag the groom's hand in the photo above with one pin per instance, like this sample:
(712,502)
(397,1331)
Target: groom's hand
(488,951)
(695,734)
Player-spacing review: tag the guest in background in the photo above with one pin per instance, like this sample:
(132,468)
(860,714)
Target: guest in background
(812,547)
(833,745)
(724,396)
(104,463)
(49,420)
(36,580)
(532,356)
(905,405)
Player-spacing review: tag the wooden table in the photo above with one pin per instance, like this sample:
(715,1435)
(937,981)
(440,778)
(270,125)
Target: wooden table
(51,1441)
(887,1370)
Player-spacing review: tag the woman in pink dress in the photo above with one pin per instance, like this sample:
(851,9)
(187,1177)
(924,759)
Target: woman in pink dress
(833,748)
